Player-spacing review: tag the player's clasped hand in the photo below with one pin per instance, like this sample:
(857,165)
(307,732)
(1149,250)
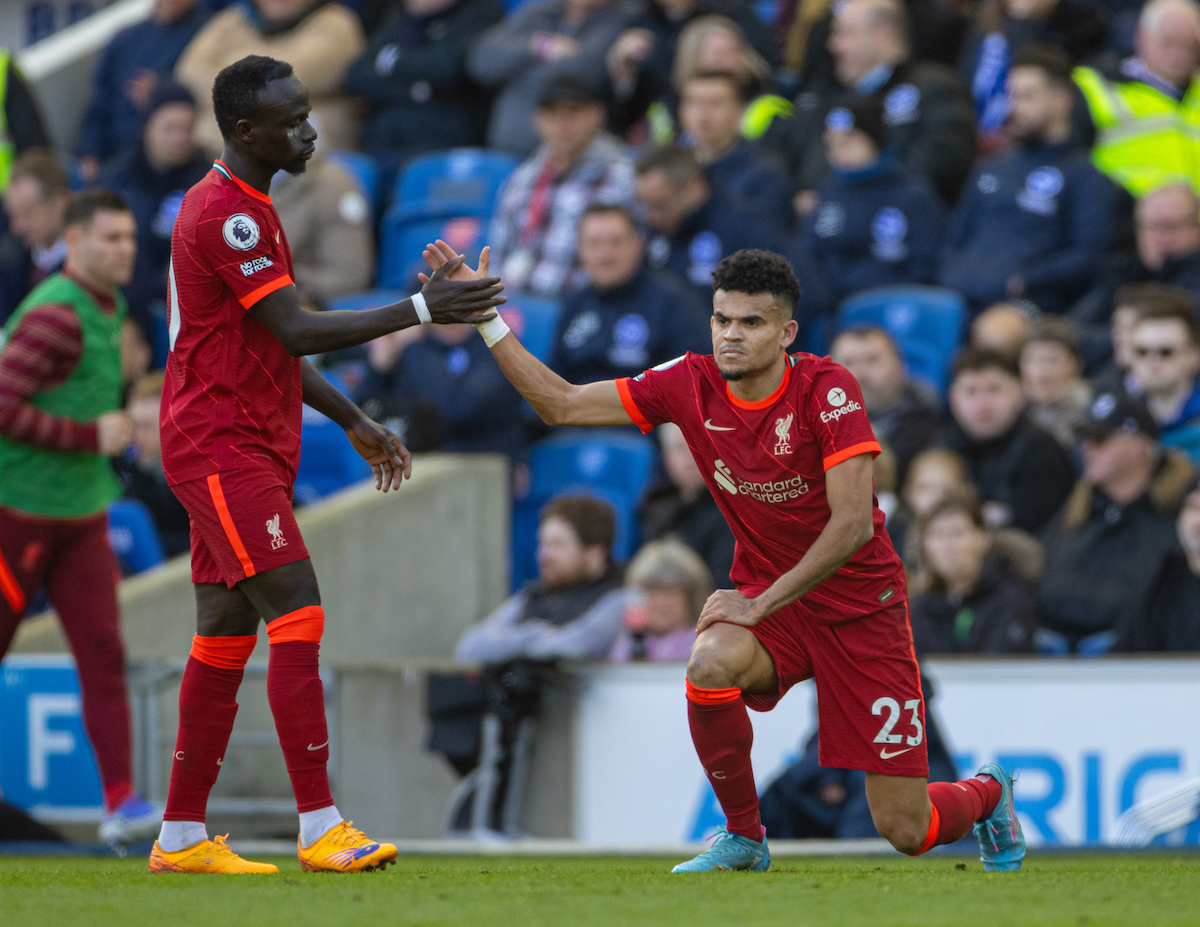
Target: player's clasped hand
(382,449)
(451,298)
(730,606)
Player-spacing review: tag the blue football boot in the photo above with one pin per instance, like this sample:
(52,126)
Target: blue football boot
(730,852)
(1001,842)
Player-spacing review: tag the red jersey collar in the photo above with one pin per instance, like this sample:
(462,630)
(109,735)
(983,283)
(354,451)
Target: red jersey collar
(106,299)
(223,169)
(762,403)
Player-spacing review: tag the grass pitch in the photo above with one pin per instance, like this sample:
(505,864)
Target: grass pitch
(1058,890)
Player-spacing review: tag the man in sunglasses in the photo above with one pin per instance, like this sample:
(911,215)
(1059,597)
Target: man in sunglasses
(1166,361)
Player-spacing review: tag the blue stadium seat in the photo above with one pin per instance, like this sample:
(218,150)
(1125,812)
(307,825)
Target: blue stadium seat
(930,316)
(328,461)
(1186,440)
(402,241)
(133,536)
(370,299)
(459,182)
(365,172)
(615,466)
(534,321)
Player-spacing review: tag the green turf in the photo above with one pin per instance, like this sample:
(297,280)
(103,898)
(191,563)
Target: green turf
(1057,890)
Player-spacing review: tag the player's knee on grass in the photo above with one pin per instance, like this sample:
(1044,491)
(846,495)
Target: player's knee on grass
(721,657)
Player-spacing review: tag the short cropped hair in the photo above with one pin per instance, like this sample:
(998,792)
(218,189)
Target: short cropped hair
(1171,304)
(82,208)
(236,89)
(1054,329)
(868,331)
(43,167)
(973,360)
(678,163)
(592,520)
(1053,62)
(609,209)
(753,271)
(737,84)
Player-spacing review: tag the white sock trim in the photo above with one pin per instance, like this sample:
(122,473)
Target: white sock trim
(179,835)
(316,824)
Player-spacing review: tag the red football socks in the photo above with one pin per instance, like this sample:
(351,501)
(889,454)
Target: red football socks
(298,704)
(207,708)
(956,807)
(723,736)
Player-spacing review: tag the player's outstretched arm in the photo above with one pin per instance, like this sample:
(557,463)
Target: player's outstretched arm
(302,331)
(848,488)
(379,447)
(553,398)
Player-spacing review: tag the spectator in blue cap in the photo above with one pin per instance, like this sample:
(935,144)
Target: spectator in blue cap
(876,223)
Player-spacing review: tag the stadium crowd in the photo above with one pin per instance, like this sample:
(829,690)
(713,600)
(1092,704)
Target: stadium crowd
(1037,160)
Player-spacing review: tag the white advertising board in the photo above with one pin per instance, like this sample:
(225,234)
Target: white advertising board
(1086,738)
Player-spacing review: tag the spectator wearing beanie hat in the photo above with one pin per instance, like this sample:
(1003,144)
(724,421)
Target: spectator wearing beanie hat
(152,176)
(876,223)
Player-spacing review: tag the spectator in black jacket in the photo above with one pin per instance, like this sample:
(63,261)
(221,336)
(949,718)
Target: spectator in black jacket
(140,470)
(970,597)
(1170,620)
(1034,222)
(876,224)
(711,108)
(127,72)
(441,381)
(152,175)
(1021,471)
(692,225)
(929,114)
(904,413)
(628,317)
(1107,547)
(682,507)
(34,204)
(1168,252)
(413,76)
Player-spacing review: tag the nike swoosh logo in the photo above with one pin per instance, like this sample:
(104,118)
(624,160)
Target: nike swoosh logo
(884,755)
(711,427)
(319,746)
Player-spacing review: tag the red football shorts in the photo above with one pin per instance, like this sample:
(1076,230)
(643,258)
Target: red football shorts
(242,524)
(870,709)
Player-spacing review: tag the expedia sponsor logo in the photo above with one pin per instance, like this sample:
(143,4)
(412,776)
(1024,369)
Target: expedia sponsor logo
(777,491)
(851,406)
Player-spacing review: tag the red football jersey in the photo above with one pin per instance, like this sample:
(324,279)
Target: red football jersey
(765,465)
(233,395)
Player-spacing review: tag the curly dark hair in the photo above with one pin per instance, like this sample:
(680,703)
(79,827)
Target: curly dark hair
(753,271)
(236,89)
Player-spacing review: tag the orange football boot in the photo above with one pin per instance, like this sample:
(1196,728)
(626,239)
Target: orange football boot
(212,857)
(345,849)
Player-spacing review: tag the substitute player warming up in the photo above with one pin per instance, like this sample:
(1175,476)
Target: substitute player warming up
(786,449)
(230,423)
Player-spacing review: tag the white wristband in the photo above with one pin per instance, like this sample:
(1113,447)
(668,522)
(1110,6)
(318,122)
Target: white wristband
(493,330)
(418,302)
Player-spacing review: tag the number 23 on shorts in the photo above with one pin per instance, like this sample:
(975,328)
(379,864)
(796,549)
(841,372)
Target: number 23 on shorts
(885,735)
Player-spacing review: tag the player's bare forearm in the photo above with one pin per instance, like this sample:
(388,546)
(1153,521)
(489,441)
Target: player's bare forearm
(553,398)
(848,487)
(327,399)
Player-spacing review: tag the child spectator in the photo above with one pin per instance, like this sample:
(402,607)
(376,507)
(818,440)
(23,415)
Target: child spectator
(1056,394)
(668,585)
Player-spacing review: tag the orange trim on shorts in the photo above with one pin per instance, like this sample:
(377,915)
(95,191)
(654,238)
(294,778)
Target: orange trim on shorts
(304,624)
(631,407)
(712,696)
(13,593)
(265,290)
(223,652)
(231,532)
(863,447)
(935,825)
